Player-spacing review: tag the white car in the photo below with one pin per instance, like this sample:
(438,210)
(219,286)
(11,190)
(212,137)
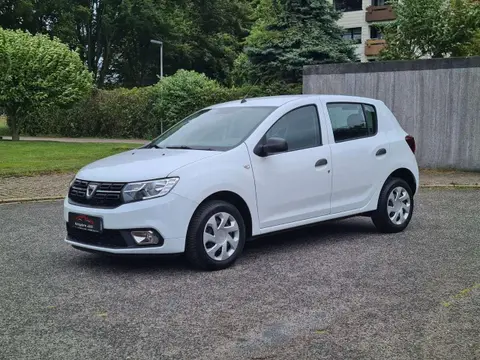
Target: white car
(241,169)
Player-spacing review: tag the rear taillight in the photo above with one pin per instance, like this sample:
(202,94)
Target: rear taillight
(411,142)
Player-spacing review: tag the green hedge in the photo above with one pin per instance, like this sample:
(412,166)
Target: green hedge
(142,112)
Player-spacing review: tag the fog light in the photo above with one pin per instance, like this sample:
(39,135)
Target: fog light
(145,237)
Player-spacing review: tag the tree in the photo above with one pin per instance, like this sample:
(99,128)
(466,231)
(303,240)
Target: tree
(431,28)
(37,72)
(113,36)
(293,33)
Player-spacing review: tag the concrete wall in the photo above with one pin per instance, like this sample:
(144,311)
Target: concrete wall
(435,100)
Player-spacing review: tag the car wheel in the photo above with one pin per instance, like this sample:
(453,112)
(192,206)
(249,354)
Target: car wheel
(216,236)
(395,206)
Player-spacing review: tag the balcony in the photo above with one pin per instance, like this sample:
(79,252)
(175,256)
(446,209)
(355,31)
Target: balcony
(374,46)
(379,13)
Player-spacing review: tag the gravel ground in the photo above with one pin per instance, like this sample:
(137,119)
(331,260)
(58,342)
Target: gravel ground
(445,177)
(34,186)
(335,291)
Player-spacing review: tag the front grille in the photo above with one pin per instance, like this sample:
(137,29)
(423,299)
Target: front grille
(108,238)
(107,195)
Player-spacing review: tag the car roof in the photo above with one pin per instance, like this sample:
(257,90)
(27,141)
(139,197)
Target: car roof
(277,101)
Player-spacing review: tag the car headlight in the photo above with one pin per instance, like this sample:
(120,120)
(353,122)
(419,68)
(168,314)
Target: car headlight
(72,181)
(148,189)
(70,184)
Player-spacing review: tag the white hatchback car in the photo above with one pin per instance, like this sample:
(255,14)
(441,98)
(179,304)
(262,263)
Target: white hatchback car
(240,169)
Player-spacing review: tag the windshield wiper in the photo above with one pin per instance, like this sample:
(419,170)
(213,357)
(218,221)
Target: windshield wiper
(153,146)
(184,147)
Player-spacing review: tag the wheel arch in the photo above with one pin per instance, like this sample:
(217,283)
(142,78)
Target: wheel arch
(237,201)
(407,175)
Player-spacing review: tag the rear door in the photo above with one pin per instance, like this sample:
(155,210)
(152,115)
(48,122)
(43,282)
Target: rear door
(359,152)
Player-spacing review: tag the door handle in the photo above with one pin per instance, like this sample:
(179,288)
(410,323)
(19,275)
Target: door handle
(381,152)
(321,162)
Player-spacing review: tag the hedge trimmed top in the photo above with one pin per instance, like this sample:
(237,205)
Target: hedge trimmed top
(143,112)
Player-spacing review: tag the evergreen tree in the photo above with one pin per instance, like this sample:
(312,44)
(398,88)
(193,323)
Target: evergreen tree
(294,33)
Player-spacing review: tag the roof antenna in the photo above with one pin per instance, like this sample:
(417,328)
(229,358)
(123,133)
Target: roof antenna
(244,100)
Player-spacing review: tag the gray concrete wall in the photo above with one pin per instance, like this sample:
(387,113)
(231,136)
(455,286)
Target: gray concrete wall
(437,101)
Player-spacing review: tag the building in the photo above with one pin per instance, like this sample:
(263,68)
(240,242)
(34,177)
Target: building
(359,19)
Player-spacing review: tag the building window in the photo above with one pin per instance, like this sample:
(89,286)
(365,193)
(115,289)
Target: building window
(348,5)
(375,32)
(378,2)
(354,35)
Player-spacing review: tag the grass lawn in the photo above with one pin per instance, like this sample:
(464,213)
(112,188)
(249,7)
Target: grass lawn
(4,131)
(21,158)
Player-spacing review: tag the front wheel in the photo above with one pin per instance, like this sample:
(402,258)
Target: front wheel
(395,206)
(216,236)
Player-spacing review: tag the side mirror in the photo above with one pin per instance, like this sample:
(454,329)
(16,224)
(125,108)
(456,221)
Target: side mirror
(272,146)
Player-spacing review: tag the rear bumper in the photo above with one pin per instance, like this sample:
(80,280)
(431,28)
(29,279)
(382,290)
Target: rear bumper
(169,216)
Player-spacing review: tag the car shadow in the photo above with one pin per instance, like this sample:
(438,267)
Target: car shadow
(314,235)
(319,234)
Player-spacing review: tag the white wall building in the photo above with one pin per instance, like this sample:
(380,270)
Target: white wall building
(359,19)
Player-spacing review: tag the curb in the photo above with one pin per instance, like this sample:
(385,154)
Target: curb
(449,186)
(51,198)
(23,200)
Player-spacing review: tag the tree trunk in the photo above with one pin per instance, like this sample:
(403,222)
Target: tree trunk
(105,66)
(14,127)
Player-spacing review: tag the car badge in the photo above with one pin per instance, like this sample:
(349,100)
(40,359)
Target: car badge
(91,190)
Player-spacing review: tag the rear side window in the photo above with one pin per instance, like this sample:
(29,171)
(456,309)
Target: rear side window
(352,121)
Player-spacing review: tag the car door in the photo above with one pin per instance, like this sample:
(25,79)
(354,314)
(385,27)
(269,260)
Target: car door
(293,185)
(359,153)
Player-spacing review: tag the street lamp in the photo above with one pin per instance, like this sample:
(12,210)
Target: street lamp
(158,42)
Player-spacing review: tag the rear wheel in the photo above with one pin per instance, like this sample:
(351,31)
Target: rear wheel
(216,236)
(395,206)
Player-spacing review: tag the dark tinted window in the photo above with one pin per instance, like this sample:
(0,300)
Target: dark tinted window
(354,35)
(300,128)
(375,32)
(371,119)
(352,121)
(348,5)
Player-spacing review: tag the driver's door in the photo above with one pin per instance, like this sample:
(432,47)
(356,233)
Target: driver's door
(294,185)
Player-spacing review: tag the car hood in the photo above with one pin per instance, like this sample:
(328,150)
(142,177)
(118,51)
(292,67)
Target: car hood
(141,164)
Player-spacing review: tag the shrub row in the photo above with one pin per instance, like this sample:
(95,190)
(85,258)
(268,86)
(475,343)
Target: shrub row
(141,112)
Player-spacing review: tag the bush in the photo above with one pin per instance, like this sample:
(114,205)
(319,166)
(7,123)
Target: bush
(142,112)
(178,96)
(118,113)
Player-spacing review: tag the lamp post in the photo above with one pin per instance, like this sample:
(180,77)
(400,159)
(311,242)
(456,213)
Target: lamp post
(158,42)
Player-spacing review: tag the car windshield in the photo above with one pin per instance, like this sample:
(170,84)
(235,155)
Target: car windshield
(218,129)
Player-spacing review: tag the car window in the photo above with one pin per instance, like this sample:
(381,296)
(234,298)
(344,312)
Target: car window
(214,129)
(352,121)
(371,119)
(300,128)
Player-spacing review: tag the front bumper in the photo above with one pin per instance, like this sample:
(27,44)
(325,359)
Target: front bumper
(169,216)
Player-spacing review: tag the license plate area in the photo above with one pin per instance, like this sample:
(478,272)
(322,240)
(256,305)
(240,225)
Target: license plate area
(85,222)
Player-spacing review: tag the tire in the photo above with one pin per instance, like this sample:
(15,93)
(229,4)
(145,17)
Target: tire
(224,246)
(391,215)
